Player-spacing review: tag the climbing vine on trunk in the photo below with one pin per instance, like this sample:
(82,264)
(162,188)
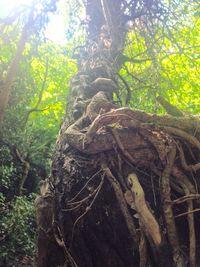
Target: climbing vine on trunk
(124,183)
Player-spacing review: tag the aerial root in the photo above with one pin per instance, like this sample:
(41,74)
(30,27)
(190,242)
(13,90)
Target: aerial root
(60,241)
(190,217)
(125,137)
(142,249)
(122,204)
(186,136)
(121,147)
(192,235)
(146,218)
(167,209)
(88,208)
(185,198)
(194,167)
(78,203)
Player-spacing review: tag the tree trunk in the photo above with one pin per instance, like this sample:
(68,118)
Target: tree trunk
(6,86)
(123,187)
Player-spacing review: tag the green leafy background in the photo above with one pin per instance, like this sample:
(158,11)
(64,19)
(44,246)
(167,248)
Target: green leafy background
(172,72)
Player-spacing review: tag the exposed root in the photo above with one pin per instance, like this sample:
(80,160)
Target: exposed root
(161,199)
(142,250)
(184,164)
(121,147)
(192,235)
(189,138)
(167,209)
(182,179)
(122,204)
(60,240)
(146,218)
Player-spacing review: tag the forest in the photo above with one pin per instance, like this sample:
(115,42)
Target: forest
(99,133)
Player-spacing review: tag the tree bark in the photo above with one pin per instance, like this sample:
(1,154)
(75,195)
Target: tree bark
(121,178)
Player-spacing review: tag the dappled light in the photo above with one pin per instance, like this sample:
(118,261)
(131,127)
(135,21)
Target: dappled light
(99,133)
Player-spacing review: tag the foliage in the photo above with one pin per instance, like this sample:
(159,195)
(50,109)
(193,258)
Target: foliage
(37,102)
(166,62)
(163,61)
(30,126)
(17,229)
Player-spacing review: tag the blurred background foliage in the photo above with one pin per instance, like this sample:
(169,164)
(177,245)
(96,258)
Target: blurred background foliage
(162,61)
(28,133)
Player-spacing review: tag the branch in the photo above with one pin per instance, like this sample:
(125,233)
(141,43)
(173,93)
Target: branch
(40,95)
(7,85)
(128,96)
(106,13)
(26,169)
(171,109)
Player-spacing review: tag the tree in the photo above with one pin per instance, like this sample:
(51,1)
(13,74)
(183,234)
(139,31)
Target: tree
(124,183)
(36,18)
(28,130)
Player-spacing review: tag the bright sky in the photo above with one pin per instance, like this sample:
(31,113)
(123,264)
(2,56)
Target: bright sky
(11,4)
(55,30)
(8,6)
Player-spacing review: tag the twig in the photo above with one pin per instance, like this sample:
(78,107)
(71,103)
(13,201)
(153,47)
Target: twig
(78,203)
(186,213)
(128,96)
(98,172)
(40,95)
(87,208)
(74,208)
(185,198)
(25,172)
